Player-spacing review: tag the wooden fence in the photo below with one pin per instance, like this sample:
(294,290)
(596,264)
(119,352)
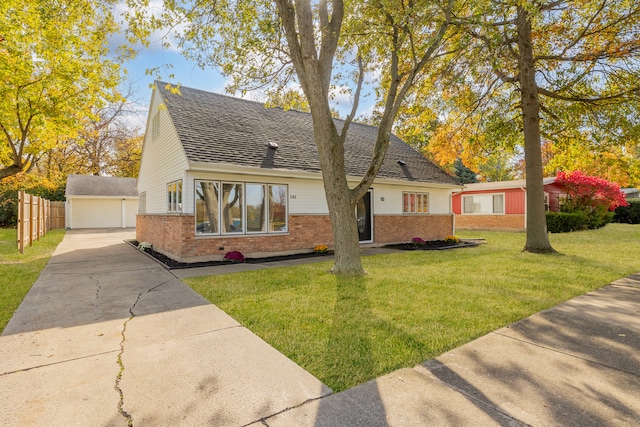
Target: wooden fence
(36,216)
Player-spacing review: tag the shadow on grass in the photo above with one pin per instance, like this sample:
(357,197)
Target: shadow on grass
(350,348)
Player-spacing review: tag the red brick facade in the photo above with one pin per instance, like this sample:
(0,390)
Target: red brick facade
(490,222)
(174,235)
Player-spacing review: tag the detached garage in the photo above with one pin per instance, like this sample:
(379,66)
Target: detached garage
(100,202)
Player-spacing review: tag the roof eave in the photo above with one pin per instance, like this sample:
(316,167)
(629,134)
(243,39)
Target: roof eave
(300,174)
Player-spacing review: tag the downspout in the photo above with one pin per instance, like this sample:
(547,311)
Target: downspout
(525,205)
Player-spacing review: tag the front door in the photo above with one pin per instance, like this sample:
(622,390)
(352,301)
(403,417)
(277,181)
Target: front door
(365,219)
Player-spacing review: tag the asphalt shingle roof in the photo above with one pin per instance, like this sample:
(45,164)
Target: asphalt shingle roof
(91,185)
(216,128)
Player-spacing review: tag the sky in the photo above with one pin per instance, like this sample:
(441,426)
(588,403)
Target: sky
(186,73)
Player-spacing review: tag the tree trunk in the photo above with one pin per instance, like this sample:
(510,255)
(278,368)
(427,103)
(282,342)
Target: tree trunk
(340,198)
(537,238)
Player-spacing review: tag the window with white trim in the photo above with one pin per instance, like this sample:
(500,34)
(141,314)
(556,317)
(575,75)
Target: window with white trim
(240,208)
(483,204)
(415,203)
(174,196)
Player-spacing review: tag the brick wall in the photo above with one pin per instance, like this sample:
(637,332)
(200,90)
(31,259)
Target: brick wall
(490,222)
(173,235)
(403,228)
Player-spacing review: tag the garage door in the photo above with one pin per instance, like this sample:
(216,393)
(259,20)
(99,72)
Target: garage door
(96,213)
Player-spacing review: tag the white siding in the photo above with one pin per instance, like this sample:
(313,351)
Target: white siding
(439,201)
(163,160)
(392,194)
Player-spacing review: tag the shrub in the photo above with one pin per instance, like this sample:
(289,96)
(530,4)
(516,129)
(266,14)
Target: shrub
(585,192)
(418,241)
(234,256)
(629,214)
(145,246)
(564,222)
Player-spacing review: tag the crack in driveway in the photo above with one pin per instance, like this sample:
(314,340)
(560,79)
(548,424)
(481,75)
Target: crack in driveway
(117,387)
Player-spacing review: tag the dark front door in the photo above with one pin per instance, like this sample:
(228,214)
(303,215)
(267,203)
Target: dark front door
(363,215)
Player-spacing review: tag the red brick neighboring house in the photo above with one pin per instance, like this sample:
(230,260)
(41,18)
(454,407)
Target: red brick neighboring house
(499,205)
(222,174)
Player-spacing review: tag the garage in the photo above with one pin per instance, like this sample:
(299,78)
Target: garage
(100,202)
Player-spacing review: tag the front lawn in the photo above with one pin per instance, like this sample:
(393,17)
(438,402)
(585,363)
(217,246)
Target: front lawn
(19,271)
(415,305)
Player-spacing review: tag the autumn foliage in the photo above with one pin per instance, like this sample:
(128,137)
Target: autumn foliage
(587,192)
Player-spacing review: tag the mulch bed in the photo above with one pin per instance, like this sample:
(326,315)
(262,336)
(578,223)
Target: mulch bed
(432,245)
(172,264)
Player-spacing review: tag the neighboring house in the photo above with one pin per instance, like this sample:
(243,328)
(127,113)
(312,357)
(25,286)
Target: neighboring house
(499,205)
(222,174)
(100,202)
(631,193)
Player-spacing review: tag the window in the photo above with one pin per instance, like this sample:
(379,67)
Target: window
(207,207)
(155,126)
(174,196)
(417,203)
(483,204)
(142,203)
(240,208)
(256,208)
(277,208)
(232,208)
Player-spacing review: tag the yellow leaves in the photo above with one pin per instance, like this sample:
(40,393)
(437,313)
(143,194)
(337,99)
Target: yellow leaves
(53,70)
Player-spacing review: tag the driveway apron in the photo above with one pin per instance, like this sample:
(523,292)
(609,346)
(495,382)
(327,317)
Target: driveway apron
(108,337)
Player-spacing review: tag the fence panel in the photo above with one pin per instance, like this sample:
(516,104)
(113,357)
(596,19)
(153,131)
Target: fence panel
(36,216)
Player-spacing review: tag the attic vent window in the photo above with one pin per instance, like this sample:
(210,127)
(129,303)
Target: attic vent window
(402,163)
(273,145)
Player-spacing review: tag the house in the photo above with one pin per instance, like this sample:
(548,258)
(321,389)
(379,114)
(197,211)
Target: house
(631,193)
(222,174)
(100,202)
(499,205)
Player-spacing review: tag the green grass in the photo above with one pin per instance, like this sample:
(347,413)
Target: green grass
(413,306)
(18,271)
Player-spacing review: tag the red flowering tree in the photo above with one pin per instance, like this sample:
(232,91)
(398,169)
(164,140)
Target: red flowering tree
(589,193)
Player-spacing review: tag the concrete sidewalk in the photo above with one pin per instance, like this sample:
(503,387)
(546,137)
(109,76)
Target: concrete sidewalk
(107,337)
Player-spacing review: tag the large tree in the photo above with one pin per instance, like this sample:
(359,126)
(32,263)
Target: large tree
(268,43)
(54,71)
(552,69)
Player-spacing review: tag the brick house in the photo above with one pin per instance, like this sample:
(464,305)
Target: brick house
(220,174)
(499,205)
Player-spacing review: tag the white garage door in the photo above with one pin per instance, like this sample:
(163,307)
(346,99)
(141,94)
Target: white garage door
(97,213)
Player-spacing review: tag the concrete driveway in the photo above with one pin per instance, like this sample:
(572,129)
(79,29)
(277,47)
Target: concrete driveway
(107,337)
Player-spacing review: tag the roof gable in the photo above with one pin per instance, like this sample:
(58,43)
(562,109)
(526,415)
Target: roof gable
(101,186)
(220,129)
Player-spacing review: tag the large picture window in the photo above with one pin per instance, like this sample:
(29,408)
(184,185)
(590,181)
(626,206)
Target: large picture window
(240,208)
(483,204)
(417,203)
(174,196)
